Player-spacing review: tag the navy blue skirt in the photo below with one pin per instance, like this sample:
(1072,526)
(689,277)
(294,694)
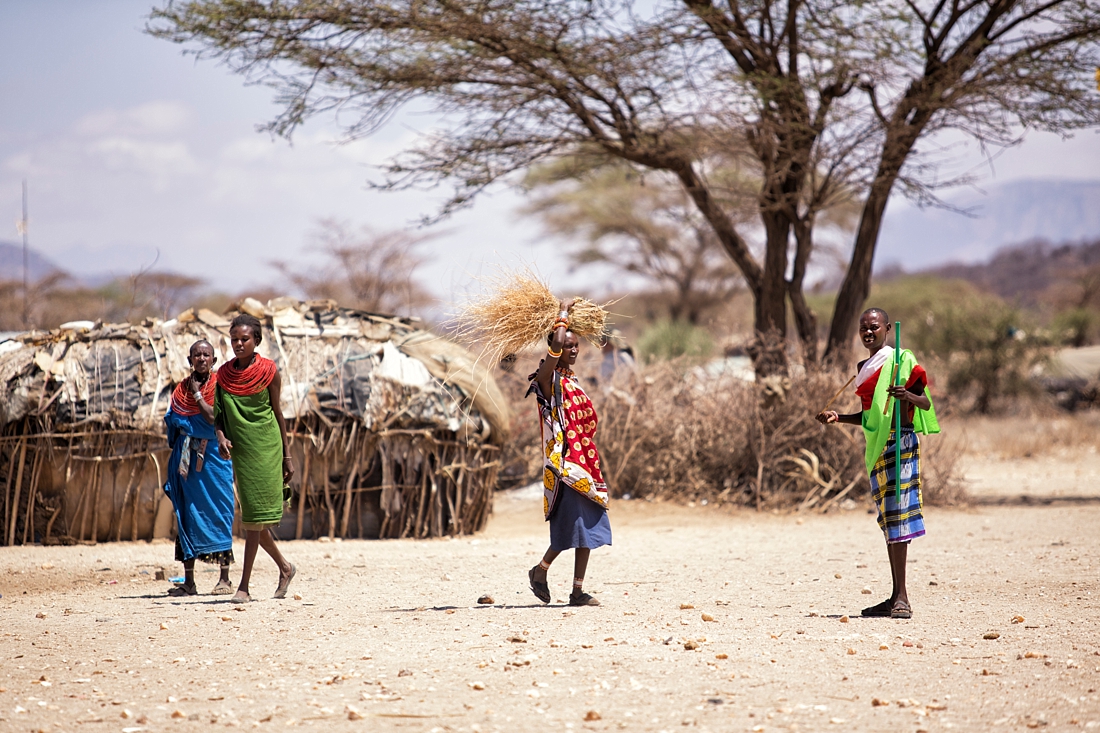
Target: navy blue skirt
(578,522)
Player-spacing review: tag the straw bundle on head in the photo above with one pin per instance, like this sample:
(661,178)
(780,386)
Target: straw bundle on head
(519,311)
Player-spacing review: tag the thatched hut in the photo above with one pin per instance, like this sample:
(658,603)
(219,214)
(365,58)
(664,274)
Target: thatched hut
(395,431)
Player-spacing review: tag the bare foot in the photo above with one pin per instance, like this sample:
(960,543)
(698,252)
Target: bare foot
(241,597)
(223,588)
(284,582)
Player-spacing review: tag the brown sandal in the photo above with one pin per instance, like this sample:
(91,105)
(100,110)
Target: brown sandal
(901,609)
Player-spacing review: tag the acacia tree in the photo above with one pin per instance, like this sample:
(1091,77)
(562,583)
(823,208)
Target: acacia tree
(364,269)
(646,227)
(824,95)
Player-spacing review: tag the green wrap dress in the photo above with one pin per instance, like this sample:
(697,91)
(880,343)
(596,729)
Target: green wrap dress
(242,406)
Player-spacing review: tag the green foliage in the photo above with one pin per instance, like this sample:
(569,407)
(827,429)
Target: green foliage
(1074,327)
(987,347)
(671,339)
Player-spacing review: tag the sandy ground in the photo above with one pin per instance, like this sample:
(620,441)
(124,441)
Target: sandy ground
(388,635)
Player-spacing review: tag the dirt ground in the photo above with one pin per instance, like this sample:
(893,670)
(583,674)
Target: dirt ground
(389,635)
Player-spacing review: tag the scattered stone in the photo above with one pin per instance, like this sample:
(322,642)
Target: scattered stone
(592,716)
(227,618)
(178,714)
(844,619)
(838,576)
(517,640)
(297,596)
(721,656)
(866,591)
(477,685)
(851,650)
(126,714)
(486,600)
(405,673)
(876,703)
(160,574)
(991,635)
(1034,655)
(691,645)
(883,647)
(932,582)
(163,626)
(47,566)
(353,712)
(686,606)
(708,617)
(40,615)
(1017,619)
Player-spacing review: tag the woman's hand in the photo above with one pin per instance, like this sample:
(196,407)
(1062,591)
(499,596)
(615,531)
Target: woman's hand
(288,469)
(567,305)
(828,417)
(224,447)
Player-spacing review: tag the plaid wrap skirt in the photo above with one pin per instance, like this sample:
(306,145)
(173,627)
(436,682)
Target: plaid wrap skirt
(902,520)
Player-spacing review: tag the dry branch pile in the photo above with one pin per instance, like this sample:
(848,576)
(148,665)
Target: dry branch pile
(396,432)
(691,437)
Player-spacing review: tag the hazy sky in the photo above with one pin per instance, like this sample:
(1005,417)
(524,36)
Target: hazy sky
(130,147)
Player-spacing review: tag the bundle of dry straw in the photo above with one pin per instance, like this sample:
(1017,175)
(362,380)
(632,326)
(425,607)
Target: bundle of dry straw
(519,311)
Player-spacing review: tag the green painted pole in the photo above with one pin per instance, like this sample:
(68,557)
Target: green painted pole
(897,415)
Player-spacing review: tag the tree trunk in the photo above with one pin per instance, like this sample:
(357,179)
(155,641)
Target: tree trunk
(857,281)
(804,318)
(770,316)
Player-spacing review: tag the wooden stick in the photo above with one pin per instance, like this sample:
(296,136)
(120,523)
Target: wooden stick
(32,492)
(838,393)
(126,499)
(7,491)
(893,375)
(18,488)
(303,487)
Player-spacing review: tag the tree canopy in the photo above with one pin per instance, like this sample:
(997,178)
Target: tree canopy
(823,99)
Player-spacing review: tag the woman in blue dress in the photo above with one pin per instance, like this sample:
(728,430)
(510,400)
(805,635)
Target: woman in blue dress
(200,481)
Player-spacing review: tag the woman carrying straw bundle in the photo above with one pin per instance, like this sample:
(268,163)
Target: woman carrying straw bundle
(252,433)
(200,481)
(900,509)
(575,494)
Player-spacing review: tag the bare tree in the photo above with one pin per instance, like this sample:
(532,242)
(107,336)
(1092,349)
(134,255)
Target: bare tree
(644,226)
(368,270)
(824,96)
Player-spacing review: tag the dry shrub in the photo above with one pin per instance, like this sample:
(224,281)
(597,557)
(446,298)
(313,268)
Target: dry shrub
(669,435)
(682,438)
(941,479)
(519,311)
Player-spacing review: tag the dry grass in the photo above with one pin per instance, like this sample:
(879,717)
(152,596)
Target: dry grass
(669,436)
(1028,435)
(519,311)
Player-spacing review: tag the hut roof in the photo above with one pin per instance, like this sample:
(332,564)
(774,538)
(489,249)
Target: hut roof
(338,364)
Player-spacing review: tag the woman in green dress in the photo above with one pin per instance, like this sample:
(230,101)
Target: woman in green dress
(251,432)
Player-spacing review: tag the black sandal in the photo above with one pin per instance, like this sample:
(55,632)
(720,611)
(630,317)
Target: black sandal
(879,610)
(582,599)
(541,590)
(901,609)
(180,590)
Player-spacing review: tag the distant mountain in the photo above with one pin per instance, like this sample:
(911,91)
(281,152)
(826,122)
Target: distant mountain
(1024,272)
(1057,211)
(11,263)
